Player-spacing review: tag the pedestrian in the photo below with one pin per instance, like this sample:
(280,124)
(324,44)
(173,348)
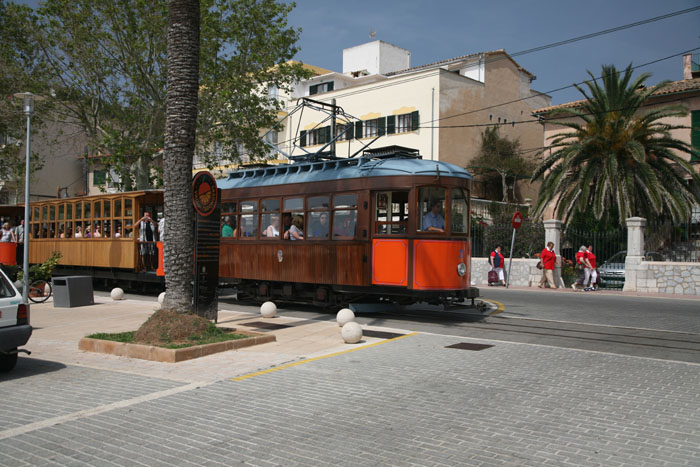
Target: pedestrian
(19,235)
(580,268)
(549,259)
(496,261)
(591,273)
(7,234)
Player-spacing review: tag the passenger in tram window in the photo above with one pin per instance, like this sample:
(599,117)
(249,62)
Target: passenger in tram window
(296,231)
(286,222)
(78,231)
(7,234)
(273,230)
(227,229)
(433,220)
(88,232)
(344,223)
(61,232)
(69,232)
(147,249)
(98,231)
(118,233)
(319,228)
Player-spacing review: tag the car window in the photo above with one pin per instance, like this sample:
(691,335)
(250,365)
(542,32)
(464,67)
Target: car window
(6,289)
(618,257)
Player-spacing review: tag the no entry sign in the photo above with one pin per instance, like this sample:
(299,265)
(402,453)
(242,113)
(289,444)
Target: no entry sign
(517,220)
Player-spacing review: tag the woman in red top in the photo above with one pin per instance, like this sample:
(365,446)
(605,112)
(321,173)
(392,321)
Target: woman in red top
(496,260)
(591,272)
(580,268)
(549,260)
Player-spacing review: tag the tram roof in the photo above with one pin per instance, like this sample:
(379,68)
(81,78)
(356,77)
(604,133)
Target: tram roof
(360,167)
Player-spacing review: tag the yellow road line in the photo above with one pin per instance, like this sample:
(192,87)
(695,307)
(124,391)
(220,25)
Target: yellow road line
(499,305)
(289,365)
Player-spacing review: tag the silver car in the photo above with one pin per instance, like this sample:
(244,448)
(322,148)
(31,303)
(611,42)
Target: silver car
(612,271)
(14,323)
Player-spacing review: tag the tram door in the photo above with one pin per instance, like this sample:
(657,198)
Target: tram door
(390,246)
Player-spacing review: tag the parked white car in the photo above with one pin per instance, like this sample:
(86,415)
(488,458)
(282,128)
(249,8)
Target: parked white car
(14,323)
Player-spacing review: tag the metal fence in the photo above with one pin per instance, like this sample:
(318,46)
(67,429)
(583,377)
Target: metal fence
(667,241)
(609,248)
(529,239)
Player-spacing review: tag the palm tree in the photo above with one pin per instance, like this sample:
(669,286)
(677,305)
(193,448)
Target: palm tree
(180,129)
(619,155)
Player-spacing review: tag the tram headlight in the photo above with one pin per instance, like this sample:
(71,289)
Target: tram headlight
(461,269)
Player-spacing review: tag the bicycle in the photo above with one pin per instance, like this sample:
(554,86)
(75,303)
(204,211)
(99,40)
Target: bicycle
(39,291)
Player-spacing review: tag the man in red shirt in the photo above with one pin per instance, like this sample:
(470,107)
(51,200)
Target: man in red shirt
(549,260)
(590,271)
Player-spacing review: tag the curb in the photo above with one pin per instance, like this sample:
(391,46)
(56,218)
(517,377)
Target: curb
(160,354)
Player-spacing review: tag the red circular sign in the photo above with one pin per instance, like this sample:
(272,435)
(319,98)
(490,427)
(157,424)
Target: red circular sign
(517,220)
(204,193)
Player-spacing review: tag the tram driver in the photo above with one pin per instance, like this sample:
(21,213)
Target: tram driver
(433,220)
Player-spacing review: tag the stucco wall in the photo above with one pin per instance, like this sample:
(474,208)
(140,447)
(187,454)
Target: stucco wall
(524,271)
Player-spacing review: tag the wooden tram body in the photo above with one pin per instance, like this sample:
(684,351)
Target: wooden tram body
(115,254)
(374,246)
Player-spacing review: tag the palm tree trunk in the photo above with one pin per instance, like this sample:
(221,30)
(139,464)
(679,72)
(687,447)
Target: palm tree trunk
(180,129)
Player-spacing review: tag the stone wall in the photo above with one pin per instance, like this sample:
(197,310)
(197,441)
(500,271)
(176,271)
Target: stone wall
(523,273)
(667,277)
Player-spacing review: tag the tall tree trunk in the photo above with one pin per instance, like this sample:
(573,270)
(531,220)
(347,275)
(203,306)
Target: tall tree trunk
(180,128)
(504,186)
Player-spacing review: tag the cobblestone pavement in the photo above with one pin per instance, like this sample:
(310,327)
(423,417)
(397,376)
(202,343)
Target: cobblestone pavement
(409,401)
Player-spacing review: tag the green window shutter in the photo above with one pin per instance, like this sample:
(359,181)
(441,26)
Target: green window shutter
(302,138)
(350,133)
(326,132)
(695,134)
(330,85)
(391,124)
(313,90)
(358,129)
(414,120)
(381,126)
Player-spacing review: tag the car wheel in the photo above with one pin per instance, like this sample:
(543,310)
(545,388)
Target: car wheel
(8,362)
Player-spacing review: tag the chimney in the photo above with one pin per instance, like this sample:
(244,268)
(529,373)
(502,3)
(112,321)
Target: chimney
(688,66)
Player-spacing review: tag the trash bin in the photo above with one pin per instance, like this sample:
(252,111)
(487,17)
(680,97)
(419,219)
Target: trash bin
(72,291)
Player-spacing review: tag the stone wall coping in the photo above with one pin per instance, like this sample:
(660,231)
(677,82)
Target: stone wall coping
(692,264)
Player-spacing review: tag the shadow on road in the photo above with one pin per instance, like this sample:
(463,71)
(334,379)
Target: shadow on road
(27,366)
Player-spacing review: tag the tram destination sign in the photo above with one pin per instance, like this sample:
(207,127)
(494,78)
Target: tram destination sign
(207,235)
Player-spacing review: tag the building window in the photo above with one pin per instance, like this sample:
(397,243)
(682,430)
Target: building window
(344,132)
(375,127)
(320,88)
(403,123)
(315,136)
(99,177)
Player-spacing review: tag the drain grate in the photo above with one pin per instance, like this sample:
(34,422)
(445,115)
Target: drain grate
(380,334)
(268,326)
(468,346)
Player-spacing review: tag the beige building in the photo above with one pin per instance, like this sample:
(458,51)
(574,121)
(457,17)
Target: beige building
(684,93)
(440,109)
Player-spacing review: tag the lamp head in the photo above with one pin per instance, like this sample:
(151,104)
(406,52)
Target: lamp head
(29,99)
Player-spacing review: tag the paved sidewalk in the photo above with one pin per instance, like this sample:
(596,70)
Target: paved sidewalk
(412,400)
(58,330)
(612,292)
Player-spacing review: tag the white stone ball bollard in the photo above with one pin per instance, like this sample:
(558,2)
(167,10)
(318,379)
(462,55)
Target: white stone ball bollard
(161,298)
(351,332)
(117,294)
(268,310)
(344,316)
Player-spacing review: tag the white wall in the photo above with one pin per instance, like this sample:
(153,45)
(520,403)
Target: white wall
(376,57)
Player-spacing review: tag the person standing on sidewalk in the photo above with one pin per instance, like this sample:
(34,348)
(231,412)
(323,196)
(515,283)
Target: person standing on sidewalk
(591,273)
(580,268)
(549,260)
(496,260)
(19,235)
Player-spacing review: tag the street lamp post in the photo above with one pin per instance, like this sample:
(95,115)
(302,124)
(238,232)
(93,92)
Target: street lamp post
(29,99)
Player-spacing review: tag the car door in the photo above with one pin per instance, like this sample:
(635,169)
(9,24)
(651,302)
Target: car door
(9,300)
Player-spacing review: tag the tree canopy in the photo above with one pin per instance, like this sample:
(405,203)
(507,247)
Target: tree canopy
(618,153)
(500,159)
(104,68)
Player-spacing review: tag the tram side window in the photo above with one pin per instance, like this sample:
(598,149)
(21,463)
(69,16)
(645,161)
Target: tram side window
(228,219)
(431,207)
(249,219)
(319,217)
(344,216)
(293,219)
(459,212)
(391,212)
(270,222)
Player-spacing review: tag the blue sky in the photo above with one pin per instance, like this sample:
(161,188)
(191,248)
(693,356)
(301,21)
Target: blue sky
(441,29)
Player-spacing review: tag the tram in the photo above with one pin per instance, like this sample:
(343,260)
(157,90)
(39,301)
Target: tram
(98,235)
(387,225)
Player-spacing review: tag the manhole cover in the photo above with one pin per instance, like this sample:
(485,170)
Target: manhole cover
(468,346)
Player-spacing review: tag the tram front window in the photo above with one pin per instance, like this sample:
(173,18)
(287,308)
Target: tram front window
(431,206)
(459,212)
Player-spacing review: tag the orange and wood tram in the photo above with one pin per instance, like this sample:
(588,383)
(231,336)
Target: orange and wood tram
(387,225)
